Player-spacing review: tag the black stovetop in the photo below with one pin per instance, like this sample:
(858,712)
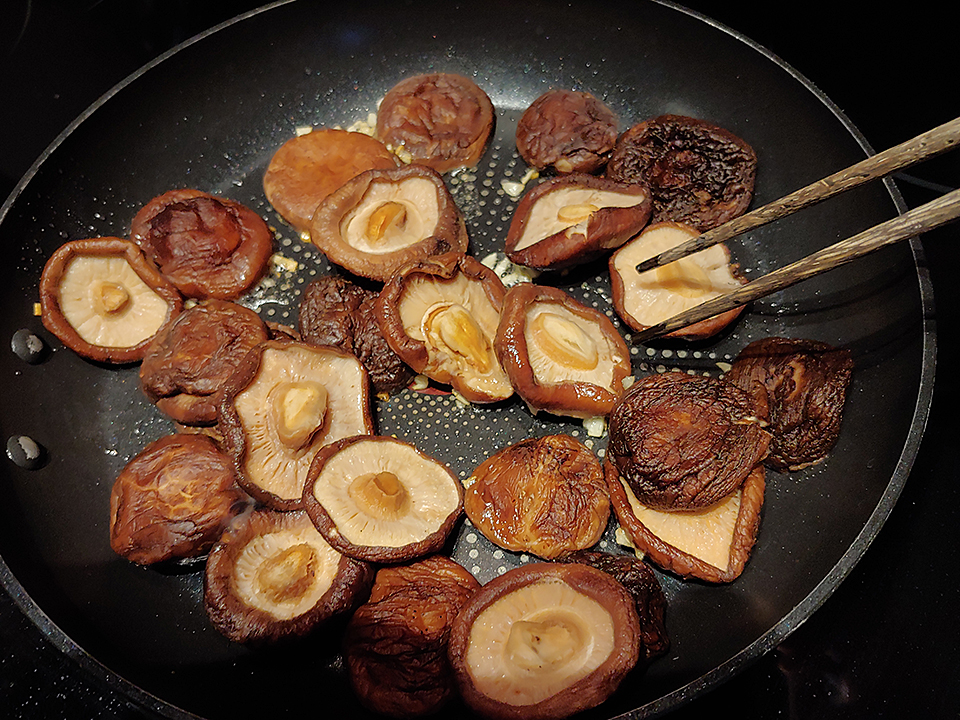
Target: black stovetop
(886,643)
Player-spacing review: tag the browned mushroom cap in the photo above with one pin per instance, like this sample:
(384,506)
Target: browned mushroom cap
(208,246)
(573,219)
(698,173)
(283,403)
(309,167)
(711,544)
(383,219)
(560,355)
(645,299)
(542,495)
(380,499)
(173,500)
(544,641)
(802,384)
(273,576)
(190,359)
(442,120)
(641,582)
(567,130)
(683,442)
(104,300)
(441,315)
(395,645)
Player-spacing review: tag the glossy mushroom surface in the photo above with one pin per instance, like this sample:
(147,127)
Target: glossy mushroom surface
(206,245)
(561,356)
(544,641)
(440,316)
(683,442)
(284,402)
(545,496)
(173,499)
(648,298)
(380,499)
(383,219)
(272,576)
(104,300)
(574,219)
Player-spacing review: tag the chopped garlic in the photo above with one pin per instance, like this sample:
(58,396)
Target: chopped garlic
(624,540)
(37,309)
(420,382)
(724,366)
(515,188)
(367,127)
(595,426)
(282,263)
(302,130)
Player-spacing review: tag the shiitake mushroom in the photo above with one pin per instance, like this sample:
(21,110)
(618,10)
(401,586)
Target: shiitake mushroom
(574,219)
(802,387)
(711,544)
(544,641)
(173,499)
(440,315)
(683,442)
(103,299)
(272,576)
(381,499)
(395,645)
(699,173)
(568,131)
(560,355)
(440,120)
(285,401)
(308,167)
(206,245)
(545,496)
(645,299)
(188,361)
(381,220)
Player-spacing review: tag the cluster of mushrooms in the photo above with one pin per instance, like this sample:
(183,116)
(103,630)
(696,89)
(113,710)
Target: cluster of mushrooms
(277,475)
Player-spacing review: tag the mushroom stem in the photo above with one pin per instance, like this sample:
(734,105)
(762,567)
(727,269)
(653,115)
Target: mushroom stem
(453,328)
(380,494)
(110,298)
(288,574)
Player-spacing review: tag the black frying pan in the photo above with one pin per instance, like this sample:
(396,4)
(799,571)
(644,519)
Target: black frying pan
(210,116)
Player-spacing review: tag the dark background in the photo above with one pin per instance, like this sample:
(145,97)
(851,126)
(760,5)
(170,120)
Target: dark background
(886,644)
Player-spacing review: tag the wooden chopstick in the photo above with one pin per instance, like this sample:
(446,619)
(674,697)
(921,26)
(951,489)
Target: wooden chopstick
(922,147)
(933,214)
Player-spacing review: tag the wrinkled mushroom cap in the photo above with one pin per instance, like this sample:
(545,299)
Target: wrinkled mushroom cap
(648,298)
(383,219)
(380,499)
(544,641)
(561,356)
(573,219)
(104,300)
(284,402)
(273,576)
(440,316)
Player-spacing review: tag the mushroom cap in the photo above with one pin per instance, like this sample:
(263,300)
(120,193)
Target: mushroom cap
(544,641)
(573,219)
(440,315)
(381,220)
(173,499)
(683,441)
(443,120)
(206,245)
(561,356)
(645,299)
(307,168)
(380,499)
(188,361)
(711,544)
(273,576)
(545,496)
(270,409)
(103,299)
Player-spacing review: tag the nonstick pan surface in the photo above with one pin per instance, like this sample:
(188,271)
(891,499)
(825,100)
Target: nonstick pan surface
(210,116)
